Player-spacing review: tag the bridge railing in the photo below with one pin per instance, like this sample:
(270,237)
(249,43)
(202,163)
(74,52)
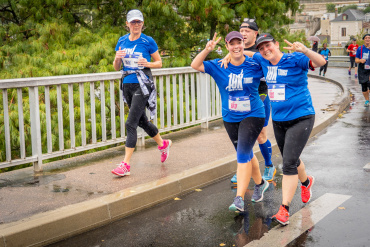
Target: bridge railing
(49,117)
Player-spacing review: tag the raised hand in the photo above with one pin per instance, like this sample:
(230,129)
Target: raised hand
(212,43)
(296,46)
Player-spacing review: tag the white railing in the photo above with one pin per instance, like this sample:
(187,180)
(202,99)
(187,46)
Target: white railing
(70,114)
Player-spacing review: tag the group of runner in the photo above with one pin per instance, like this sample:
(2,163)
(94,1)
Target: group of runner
(245,100)
(359,60)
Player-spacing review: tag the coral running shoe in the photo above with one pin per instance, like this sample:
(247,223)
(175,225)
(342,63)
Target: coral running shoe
(122,169)
(165,150)
(306,192)
(282,216)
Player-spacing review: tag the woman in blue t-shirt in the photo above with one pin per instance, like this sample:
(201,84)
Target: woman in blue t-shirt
(293,114)
(242,110)
(133,54)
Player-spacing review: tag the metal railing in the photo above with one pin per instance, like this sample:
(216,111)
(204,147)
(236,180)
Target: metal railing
(69,114)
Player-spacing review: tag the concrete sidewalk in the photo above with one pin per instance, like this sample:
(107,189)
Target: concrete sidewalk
(78,194)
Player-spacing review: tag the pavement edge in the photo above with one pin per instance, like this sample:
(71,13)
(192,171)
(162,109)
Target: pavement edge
(52,226)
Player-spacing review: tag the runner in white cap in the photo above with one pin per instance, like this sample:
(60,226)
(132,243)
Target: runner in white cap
(133,54)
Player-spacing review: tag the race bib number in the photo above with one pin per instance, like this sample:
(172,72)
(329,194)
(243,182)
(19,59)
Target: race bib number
(130,61)
(239,104)
(277,92)
(365,56)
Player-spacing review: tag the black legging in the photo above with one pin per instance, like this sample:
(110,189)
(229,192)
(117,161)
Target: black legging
(243,135)
(324,67)
(291,137)
(136,116)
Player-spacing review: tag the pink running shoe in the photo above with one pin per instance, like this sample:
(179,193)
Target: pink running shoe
(165,150)
(122,170)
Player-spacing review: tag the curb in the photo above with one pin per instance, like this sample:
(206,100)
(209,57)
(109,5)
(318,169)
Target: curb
(52,226)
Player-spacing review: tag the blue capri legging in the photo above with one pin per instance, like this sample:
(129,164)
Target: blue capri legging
(243,135)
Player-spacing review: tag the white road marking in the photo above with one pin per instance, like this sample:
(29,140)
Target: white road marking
(301,221)
(367,167)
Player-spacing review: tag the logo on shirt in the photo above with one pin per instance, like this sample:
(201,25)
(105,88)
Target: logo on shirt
(129,50)
(283,72)
(271,73)
(235,82)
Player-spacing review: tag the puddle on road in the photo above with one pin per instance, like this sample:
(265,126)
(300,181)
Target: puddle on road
(30,181)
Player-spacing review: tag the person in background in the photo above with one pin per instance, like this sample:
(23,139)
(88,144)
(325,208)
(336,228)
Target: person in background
(133,54)
(325,52)
(315,46)
(362,58)
(219,51)
(352,48)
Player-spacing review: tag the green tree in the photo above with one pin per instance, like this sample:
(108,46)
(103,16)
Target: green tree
(330,7)
(367,9)
(352,6)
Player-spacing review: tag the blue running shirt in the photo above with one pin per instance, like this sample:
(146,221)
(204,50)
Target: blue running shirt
(325,53)
(238,86)
(144,46)
(287,82)
(363,52)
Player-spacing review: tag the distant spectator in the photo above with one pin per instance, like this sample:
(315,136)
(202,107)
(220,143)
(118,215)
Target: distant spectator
(219,51)
(315,46)
(325,52)
(352,48)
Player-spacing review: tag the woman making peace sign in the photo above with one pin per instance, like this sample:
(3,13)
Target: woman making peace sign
(242,110)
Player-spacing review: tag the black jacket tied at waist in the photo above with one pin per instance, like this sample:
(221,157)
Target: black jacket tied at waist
(144,82)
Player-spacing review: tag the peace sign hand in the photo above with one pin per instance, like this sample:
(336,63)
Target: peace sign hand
(296,46)
(212,43)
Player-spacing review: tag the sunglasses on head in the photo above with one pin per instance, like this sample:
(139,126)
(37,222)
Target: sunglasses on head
(136,22)
(248,20)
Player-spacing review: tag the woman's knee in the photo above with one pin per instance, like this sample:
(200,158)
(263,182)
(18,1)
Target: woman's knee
(290,167)
(130,126)
(262,138)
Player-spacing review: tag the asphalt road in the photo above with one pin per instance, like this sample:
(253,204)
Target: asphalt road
(335,158)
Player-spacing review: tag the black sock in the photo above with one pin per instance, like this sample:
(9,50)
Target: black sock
(261,182)
(306,183)
(286,207)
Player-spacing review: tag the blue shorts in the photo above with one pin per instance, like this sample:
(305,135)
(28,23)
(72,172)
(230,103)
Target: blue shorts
(267,104)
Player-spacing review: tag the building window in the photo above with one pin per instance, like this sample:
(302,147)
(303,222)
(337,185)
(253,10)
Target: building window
(344,17)
(344,33)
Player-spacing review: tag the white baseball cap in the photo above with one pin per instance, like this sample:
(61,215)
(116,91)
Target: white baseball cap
(135,14)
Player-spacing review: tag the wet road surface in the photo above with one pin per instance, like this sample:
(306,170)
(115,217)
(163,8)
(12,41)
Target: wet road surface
(335,158)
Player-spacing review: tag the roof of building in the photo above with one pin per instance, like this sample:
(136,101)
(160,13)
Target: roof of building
(353,15)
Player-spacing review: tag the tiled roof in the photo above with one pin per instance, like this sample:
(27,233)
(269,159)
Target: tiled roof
(353,15)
